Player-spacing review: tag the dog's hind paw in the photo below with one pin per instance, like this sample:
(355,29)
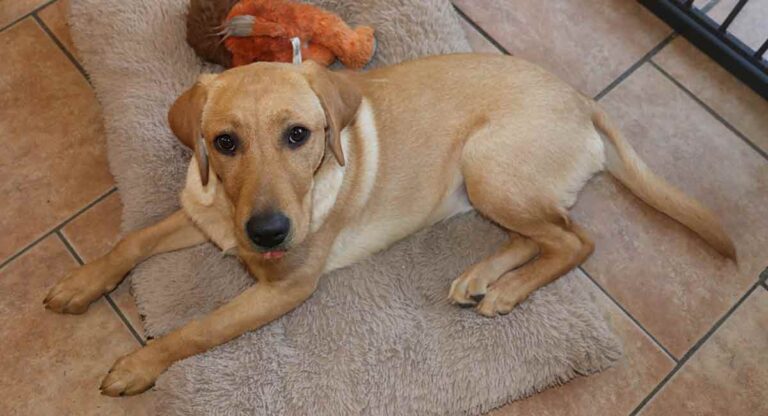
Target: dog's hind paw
(485,292)
(502,299)
(470,288)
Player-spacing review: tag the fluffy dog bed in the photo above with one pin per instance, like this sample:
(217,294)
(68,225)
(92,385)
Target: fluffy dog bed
(377,338)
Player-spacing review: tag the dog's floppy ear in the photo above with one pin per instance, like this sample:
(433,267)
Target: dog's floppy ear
(185,117)
(340,99)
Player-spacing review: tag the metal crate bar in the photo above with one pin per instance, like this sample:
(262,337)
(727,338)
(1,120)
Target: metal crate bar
(715,40)
(732,15)
(760,52)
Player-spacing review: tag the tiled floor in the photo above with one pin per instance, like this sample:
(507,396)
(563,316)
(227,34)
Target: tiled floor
(694,327)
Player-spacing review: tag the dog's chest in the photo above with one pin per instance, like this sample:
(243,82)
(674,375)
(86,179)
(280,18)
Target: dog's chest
(368,235)
(358,241)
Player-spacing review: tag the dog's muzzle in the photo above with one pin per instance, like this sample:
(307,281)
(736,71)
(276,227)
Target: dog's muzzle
(268,230)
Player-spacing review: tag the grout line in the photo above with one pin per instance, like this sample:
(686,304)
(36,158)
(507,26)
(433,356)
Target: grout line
(764,275)
(624,75)
(58,227)
(693,350)
(61,47)
(480,30)
(712,112)
(632,318)
(107,297)
(125,320)
(70,247)
(30,13)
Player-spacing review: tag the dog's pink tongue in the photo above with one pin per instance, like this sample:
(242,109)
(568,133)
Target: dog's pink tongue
(274,255)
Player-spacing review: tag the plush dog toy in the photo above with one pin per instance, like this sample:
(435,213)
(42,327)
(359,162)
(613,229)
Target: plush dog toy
(204,19)
(260,30)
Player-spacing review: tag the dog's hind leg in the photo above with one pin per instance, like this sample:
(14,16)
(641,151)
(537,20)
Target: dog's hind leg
(75,292)
(472,285)
(562,246)
(524,182)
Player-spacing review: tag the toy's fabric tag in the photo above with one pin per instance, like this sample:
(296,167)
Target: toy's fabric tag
(296,43)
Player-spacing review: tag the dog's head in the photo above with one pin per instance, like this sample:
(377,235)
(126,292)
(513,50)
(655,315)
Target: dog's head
(264,130)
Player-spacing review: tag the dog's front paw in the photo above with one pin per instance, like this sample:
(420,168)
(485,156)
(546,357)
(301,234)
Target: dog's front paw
(132,374)
(75,292)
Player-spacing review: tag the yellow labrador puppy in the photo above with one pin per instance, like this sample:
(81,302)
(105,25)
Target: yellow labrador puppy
(301,170)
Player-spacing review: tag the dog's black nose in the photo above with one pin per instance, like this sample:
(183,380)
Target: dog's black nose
(269,229)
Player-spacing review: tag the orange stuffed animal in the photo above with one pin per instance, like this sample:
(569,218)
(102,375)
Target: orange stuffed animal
(260,30)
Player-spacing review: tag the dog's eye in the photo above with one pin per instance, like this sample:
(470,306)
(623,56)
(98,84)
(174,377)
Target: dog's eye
(297,135)
(225,143)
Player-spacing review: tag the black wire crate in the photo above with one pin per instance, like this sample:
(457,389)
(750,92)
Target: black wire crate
(714,39)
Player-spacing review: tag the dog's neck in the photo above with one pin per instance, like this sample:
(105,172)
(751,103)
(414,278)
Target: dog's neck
(333,182)
(326,185)
(209,208)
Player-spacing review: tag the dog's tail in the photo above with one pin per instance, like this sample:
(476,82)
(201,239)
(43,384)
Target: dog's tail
(623,163)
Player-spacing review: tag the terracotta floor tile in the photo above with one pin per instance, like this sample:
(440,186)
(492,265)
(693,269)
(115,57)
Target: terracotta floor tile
(478,42)
(675,285)
(95,231)
(93,234)
(615,391)
(586,42)
(54,160)
(53,364)
(11,10)
(55,17)
(716,87)
(750,25)
(728,375)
